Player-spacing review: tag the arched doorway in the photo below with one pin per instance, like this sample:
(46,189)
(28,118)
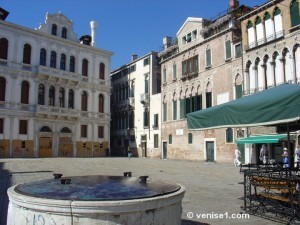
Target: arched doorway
(65,148)
(45,142)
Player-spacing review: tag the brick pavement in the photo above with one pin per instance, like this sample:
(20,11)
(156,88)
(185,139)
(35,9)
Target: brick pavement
(210,188)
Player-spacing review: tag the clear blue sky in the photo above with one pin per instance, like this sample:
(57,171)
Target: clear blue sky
(125,27)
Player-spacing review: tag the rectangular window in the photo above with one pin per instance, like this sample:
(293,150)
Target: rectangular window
(1,125)
(208,100)
(182,108)
(100,132)
(228,49)
(155,125)
(155,140)
(229,135)
(146,86)
(23,127)
(238,91)
(84,131)
(238,50)
(175,110)
(146,118)
(174,72)
(208,58)
(198,104)
(184,68)
(164,112)
(164,75)
(146,61)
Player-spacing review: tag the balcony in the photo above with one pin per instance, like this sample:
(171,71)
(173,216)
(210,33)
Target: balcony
(52,110)
(145,98)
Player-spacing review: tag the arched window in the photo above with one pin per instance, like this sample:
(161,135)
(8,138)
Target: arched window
(71,99)
(25,92)
(61,97)
(259,31)
(41,95)
(2,88)
(102,71)
(84,101)
(269,27)
(278,23)
(63,62)
(53,59)
(43,57)
(27,54)
(45,129)
(66,130)
(3,48)
(51,96)
(101,103)
(295,14)
(72,64)
(54,29)
(64,33)
(85,64)
(251,35)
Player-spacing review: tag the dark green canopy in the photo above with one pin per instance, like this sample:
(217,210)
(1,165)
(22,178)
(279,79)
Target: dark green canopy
(277,105)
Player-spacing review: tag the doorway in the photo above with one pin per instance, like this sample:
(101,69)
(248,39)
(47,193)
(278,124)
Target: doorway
(210,151)
(164,155)
(144,148)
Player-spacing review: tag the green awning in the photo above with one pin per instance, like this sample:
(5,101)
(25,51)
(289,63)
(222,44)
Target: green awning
(276,105)
(263,139)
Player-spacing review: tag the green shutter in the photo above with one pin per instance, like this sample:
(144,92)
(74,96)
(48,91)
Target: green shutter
(170,138)
(175,110)
(228,49)
(229,135)
(238,91)
(208,57)
(190,138)
(295,15)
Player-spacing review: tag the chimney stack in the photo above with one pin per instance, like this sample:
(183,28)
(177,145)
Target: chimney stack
(167,41)
(134,57)
(94,25)
(234,4)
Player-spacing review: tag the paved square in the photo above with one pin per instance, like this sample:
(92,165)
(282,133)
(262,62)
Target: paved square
(211,189)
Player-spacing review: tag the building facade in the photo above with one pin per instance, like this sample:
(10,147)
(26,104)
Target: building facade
(136,107)
(54,91)
(200,69)
(271,57)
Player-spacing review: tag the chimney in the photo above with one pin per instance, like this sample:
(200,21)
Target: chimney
(134,57)
(94,25)
(234,4)
(167,41)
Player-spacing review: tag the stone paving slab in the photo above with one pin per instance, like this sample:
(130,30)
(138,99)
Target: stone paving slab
(211,189)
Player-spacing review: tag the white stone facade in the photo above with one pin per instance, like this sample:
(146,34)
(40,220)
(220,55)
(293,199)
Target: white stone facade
(55,98)
(136,107)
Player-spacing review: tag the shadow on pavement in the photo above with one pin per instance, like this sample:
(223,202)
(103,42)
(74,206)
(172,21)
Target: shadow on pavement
(190,222)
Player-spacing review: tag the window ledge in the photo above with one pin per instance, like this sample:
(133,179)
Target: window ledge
(208,67)
(228,60)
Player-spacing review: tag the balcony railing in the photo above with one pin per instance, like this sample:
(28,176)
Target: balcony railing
(145,98)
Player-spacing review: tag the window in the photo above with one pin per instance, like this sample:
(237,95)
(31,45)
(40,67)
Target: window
(251,35)
(85,67)
(190,65)
(146,61)
(84,99)
(146,117)
(132,68)
(54,29)
(155,140)
(101,103)
(238,91)
(146,86)
(23,127)
(64,33)
(182,108)
(27,54)
(295,14)
(2,88)
(165,112)
(3,48)
(155,125)
(208,58)
(102,71)
(63,62)
(238,51)
(1,125)
(100,132)
(190,138)
(164,75)
(229,135)
(61,97)
(228,50)
(51,96)
(278,23)
(25,92)
(41,95)
(170,139)
(72,64)
(71,99)
(43,57)
(174,71)
(208,99)
(84,131)
(53,59)
(175,110)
